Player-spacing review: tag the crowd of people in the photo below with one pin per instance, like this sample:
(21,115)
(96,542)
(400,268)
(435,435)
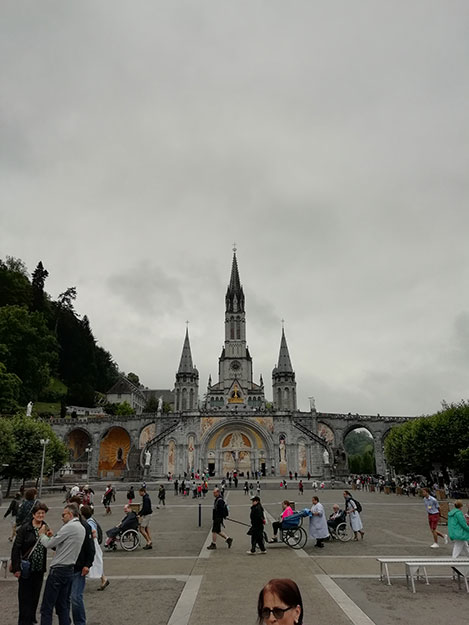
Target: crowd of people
(77,546)
(79,556)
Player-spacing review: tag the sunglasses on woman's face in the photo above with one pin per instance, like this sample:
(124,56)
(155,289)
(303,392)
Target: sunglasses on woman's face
(277,612)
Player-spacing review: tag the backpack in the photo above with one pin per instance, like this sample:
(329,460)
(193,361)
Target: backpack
(99,532)
(225,511)
(358,504)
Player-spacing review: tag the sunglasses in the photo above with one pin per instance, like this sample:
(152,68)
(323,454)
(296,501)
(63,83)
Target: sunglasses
(277,612)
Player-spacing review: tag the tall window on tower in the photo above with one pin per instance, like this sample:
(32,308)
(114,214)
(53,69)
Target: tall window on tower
(232,328)
(238,328)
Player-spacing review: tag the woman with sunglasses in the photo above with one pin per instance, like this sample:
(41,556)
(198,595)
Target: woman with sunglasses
(280,602)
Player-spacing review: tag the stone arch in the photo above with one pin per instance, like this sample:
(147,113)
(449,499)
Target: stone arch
(147,432)
(113,451)
(78,439)
(373,437)
(258,454)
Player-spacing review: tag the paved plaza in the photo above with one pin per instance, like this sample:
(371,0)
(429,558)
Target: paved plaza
(179,582)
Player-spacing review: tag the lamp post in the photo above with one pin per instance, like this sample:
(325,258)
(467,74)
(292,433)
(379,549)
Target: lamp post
(88,450)
(44,442)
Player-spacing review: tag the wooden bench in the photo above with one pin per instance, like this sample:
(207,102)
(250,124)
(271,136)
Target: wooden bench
(4,564)
(383,562)
(458,567)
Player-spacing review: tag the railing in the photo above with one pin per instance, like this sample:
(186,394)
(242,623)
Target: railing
(159,437)
(311,434)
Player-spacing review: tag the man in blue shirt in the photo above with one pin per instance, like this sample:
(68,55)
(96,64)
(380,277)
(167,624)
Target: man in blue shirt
(433,509)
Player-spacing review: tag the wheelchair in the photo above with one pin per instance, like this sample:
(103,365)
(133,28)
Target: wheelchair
(292,533)
(129,540)
(342,531)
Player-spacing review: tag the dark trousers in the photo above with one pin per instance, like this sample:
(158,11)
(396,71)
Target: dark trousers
(28,597)
(57,595)
(257,538)
(276,525)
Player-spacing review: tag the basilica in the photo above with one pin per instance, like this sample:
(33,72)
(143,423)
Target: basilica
(232,429)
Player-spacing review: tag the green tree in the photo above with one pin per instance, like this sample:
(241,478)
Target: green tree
(37,285)
(7,442)
(133,377)
(420,445)
(10,389)
(25,462)
(28,349)
(151,405)
(15,287)
(124,409)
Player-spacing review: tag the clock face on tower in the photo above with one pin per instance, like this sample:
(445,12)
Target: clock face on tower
(235,366)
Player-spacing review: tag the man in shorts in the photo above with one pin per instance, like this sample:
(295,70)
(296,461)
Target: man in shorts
(218,516)
(145,517)
(433,509)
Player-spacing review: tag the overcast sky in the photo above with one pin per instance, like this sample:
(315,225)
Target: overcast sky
(329,140)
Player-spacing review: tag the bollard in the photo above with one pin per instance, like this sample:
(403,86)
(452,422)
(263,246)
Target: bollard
(200,515)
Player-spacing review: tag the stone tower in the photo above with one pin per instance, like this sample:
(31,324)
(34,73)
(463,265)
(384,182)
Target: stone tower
(186,388)
(283,379)
(235,386)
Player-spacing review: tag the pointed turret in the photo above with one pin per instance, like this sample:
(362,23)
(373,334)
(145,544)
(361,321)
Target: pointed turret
(284,363)
(234,299)
(187,380)
(283,379)
(185,365)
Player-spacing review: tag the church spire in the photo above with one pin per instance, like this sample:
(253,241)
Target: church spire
(234,295)
(185,365)
(284,363)
(186,388)
(283,379)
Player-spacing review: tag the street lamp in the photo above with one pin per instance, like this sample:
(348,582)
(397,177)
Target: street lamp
(88,450)
(44,442)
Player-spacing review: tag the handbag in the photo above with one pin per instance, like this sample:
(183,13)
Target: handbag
(25,569)
(25,565)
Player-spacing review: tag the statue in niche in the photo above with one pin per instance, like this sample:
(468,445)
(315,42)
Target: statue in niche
(29,409)
(325,456)
(160,404)
(282,450)
(190,455)
(147,458)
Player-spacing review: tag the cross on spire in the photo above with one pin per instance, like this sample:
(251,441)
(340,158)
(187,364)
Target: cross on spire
(234,247)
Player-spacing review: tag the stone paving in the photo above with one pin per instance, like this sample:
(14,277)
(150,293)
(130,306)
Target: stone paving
(179,582)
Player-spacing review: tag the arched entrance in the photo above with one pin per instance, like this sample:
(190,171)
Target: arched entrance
(78,442)
(236,447)
(113,452)
(360,447)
